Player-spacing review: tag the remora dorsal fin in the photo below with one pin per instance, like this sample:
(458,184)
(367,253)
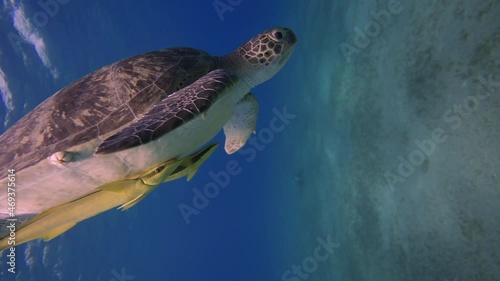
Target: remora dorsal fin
(190,164)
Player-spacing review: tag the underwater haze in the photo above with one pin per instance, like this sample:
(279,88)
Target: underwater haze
(376,155)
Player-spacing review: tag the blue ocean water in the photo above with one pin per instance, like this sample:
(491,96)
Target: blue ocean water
(386,167)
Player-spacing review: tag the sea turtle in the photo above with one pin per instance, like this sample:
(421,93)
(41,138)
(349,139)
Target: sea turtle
(128,117)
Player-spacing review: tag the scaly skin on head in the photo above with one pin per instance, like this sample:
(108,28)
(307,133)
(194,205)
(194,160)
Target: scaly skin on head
(261,57)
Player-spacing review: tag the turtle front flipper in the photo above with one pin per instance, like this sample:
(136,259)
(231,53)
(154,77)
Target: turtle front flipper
(172,112)
(242,123)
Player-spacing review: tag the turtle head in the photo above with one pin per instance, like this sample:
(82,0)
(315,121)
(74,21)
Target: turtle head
(263,56)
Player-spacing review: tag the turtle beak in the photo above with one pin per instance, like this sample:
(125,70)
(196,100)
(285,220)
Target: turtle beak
(292,39)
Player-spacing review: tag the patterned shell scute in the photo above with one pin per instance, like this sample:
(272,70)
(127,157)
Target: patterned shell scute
(99,103)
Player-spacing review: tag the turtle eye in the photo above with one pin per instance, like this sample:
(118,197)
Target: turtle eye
(159,169)
(278,35)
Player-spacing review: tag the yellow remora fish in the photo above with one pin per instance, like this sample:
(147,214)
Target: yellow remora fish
(57,220)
